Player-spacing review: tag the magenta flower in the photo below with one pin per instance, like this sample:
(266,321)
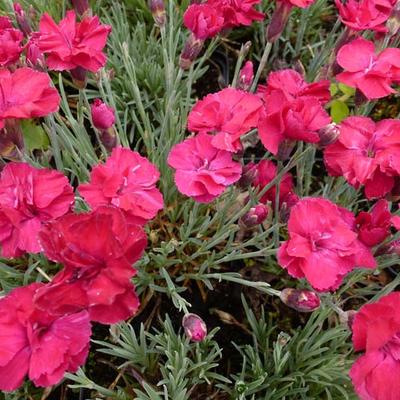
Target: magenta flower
(127,181)
(38,344)
(70,45)
(202,171)
(322,245)
(370,72)
(29,197)
(376,329)
(25,94)
(10,43)
(366,153)
(203,21)
(229,114)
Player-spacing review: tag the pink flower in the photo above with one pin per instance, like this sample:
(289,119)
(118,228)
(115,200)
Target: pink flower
(360,15)
(26,93)
(103,116)
(229,113)
(70,45)
(322,247)
(195,328)
(202,171)
(366,153)
(299,3)
(267,171)
(376,329)
(368,71)
(10,43)
(203,21)
(293,86)
(374,227)
(28,198)
(127,181)
(300,119)
(97,250)
(236,13)
(37,344)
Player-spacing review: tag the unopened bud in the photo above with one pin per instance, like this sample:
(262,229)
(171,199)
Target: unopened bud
(288,202)
(246,76)
(11,140)
(249,175)
(393,23)
(285,149)
(347,317)
(190,51)
(103,116)
(328,134)
(34,57)
(300,300)
(81,6)
(255,216)
(157,9)
(79,76)
(195,328)
(278,20)
(22,19)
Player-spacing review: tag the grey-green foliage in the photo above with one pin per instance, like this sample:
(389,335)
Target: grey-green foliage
(310,363)
(162,364)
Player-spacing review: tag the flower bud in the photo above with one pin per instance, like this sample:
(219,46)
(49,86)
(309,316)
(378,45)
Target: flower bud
(79,76)
(11,140)
(103,116)
(249,175)
(81,6)
(246,76)
(347,317)
(34,57)
(328,134)
(278,20)
(288,202)
(22,19)
(255,216)
(195,328)
(190,51)
(157,9)
(393,23)
(300,300)
(285,149)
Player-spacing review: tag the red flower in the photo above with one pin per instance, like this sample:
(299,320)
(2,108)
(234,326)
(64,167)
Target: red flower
(26,94)
(360,15)
(97,250)
(298,3)
(203,20)
(229,113)
(368,71)
(282,120)
(70,45)
(267,171)
(237,12)
(293,86)
(376,329)
(28,198)
(202,171)
(103,116)
(366,154)
(374,227)
(127,181)
(37,344)
(10,43)
(322,246)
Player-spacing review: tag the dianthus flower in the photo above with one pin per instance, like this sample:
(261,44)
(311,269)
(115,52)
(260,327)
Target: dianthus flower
(322,245)
(366,153)
(202,171)
(29,197)
(38,344)
(365,69)
(127,181)
(97,250)
(376,329)
(25,94)
(70,45)
(10,42)
(229,114)
(360,15)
